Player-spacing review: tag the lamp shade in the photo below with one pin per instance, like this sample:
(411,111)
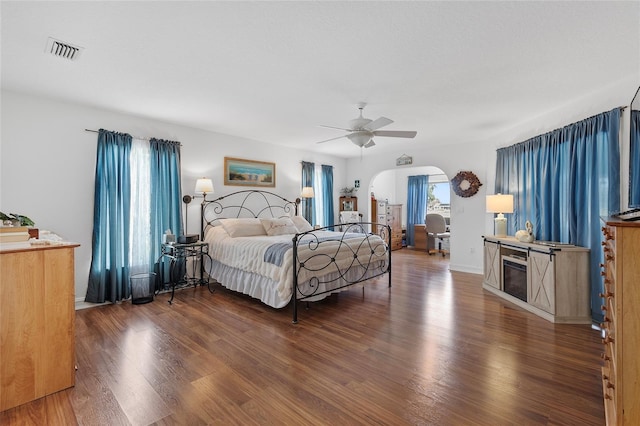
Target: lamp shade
(307,192)
(360,138)
(500,203)
(204,186)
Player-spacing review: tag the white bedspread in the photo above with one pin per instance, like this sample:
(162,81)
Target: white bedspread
(247,254)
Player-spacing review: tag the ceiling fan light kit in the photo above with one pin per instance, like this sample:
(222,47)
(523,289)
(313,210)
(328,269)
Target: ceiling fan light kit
(362,130)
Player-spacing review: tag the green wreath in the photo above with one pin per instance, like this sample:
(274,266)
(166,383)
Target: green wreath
(465,184)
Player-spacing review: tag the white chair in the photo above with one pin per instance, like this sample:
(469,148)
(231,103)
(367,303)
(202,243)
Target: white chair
(436,228)
(351,217)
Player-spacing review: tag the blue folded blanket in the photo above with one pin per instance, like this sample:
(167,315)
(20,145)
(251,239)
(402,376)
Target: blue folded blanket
(275,252)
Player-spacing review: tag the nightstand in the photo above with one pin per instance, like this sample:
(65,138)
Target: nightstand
(179,254)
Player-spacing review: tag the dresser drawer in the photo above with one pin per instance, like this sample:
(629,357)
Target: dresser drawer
(609,399)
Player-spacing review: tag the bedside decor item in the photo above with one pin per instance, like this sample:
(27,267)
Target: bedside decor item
(500,203)
(525,235)
(465,184)
(239,172)
(188,239)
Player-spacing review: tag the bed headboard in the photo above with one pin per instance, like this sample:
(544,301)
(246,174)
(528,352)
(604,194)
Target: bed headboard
(248,203)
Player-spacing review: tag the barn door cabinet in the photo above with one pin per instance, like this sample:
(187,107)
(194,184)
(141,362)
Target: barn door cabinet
(550,281)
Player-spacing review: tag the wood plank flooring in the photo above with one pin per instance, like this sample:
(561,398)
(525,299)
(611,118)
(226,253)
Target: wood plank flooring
(435,349)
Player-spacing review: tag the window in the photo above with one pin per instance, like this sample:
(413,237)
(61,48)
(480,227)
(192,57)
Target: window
(439,199)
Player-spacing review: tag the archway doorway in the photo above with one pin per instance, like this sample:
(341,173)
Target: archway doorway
(391,186)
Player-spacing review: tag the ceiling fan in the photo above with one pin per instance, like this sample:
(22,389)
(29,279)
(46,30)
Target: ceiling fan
(362,130)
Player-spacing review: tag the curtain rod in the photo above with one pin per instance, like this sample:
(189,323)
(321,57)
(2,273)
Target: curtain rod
(133,136)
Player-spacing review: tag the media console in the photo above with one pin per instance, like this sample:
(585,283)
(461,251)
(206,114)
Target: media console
(548,279)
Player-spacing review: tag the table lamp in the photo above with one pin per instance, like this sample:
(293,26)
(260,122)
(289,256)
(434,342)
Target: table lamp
(500,203)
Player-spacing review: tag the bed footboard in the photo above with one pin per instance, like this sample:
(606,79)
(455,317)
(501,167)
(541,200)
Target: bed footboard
(327,262)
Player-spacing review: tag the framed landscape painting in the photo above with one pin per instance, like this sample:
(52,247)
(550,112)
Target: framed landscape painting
(239,172)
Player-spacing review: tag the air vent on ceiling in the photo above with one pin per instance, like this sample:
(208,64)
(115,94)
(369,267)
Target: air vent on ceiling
(63,49)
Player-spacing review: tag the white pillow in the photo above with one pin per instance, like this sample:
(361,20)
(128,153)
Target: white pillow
(302,224)
(281,226)
(243,227)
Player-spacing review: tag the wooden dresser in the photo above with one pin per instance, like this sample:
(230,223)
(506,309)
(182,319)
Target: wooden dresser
(390,214)
(37,317)
(621,326)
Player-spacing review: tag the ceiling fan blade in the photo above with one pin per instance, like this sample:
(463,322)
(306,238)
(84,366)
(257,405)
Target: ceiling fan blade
(370,144)
(332,127)
(396,133)
(377,123)
(332,139)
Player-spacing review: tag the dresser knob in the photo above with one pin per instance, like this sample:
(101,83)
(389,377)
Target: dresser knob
(603,308)
(607,339)
(610,385)
(604,357)
(607,396)
(607,294)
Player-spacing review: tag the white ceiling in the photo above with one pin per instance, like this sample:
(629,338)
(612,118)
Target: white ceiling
(273,71)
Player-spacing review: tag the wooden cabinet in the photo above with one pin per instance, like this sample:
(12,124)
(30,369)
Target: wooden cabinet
(419,237)
(389,214)
(394,220)
(621,326)
(556,278)
(37,334)
(348,204)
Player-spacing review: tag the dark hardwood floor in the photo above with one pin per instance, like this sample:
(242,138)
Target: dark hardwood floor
(435,349)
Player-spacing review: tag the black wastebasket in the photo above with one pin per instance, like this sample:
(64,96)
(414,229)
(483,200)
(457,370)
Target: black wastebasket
(143,287)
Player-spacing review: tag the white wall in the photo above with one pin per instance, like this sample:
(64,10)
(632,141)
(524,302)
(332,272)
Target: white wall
(47,165)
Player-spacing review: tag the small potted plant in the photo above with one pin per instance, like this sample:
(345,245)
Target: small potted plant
(13,219)
(348,192)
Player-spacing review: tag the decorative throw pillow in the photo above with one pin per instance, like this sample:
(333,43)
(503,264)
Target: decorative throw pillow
(281,226)
(302,224)
(243,227)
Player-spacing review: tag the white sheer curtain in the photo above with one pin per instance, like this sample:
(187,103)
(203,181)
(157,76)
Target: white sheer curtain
(140,227)
(319,203)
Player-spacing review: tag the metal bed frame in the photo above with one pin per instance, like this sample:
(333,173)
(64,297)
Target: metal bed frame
(265,204)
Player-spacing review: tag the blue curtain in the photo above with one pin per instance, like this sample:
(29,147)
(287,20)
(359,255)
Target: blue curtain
(327,195)
(166,206)
(418,188)
(308,209)
(634,161)
(109,271)
(563,182)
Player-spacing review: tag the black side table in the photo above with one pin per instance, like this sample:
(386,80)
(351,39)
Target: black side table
(179,254)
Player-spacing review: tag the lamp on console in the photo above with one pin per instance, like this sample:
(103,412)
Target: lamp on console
(500,203)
